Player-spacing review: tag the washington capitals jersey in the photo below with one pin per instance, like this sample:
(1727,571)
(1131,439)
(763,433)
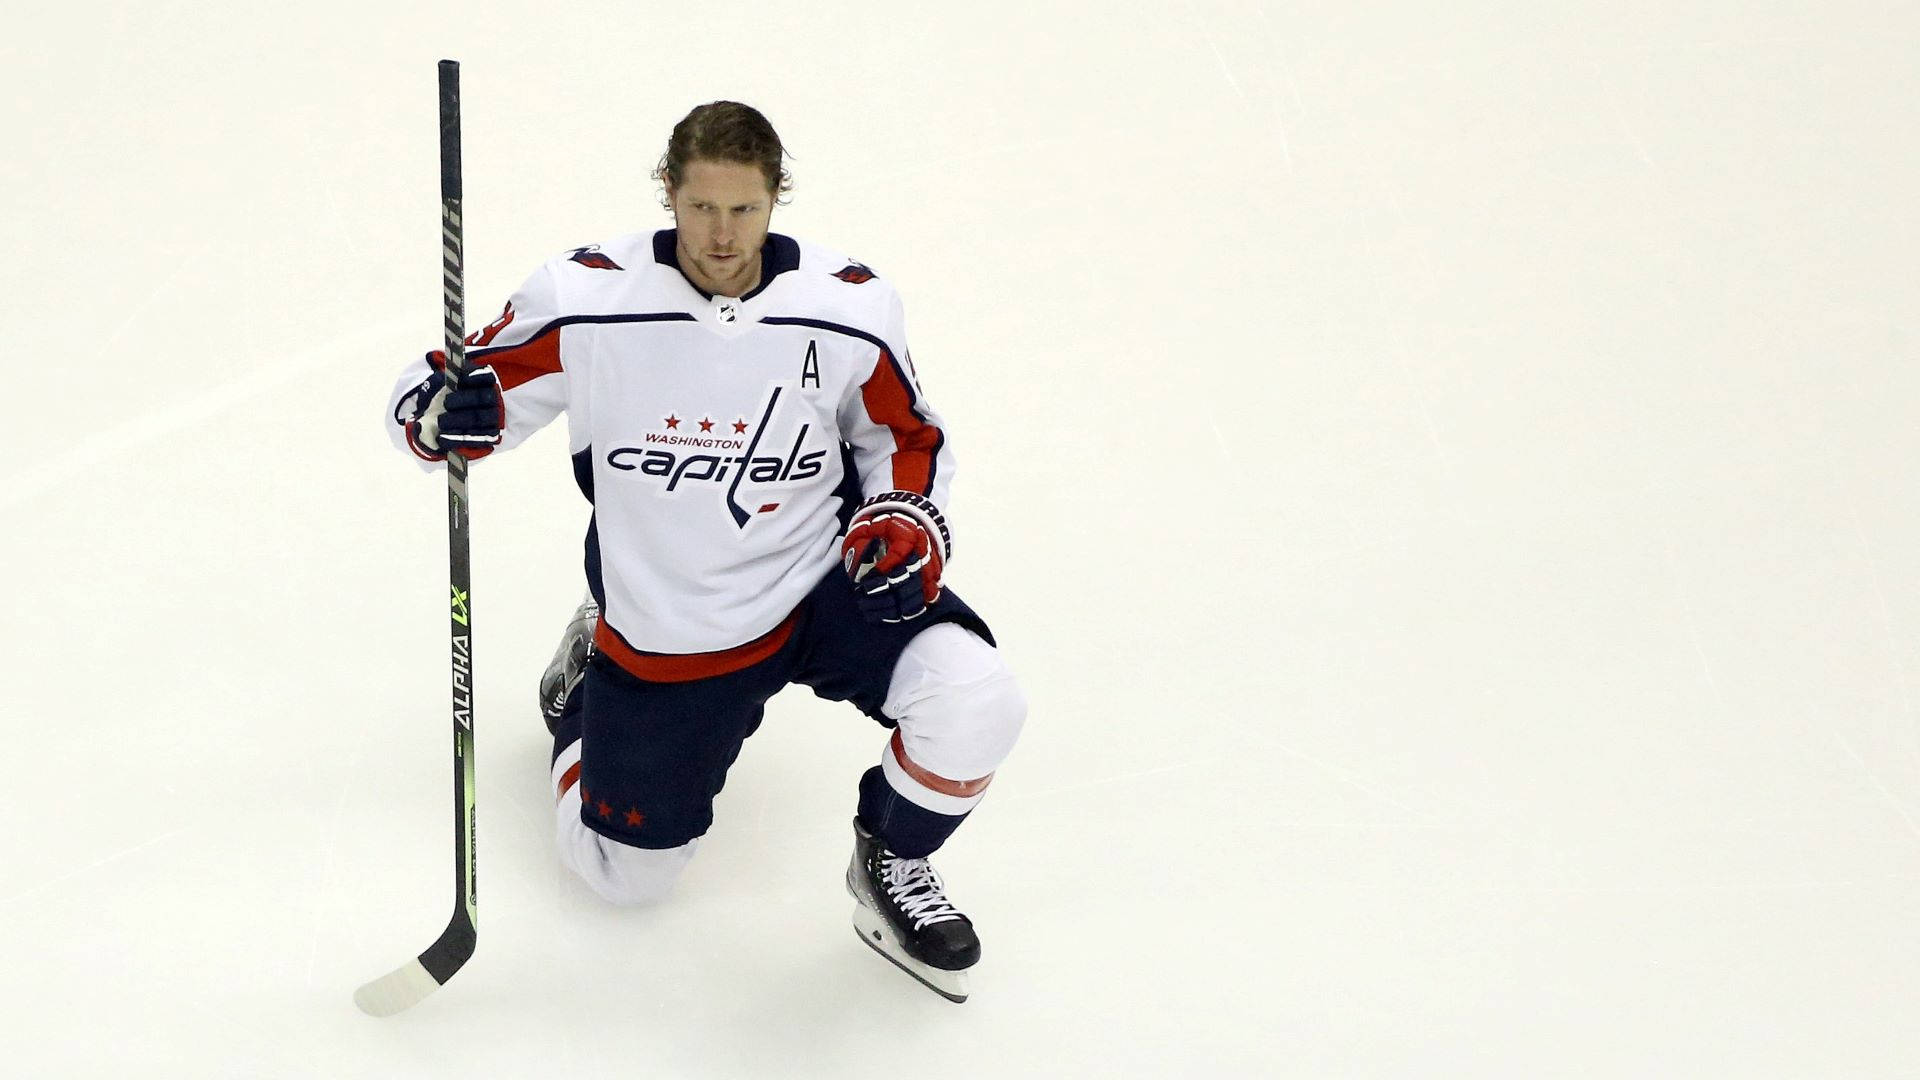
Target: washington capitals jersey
(707,431)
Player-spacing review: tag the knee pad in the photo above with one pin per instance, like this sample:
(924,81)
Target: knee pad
(628,876)
(959,707)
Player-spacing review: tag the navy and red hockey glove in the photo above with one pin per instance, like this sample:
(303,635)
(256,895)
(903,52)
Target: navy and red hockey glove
(895,549)
(462,416)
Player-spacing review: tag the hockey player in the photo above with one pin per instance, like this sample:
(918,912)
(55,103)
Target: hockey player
(767,481)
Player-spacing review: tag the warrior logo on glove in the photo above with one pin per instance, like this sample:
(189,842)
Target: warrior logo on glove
(894,551)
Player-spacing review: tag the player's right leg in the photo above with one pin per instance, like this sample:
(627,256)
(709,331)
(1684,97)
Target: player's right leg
(618,873)
(636,765)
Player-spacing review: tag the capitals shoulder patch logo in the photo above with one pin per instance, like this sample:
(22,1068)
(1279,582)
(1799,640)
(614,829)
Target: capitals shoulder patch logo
(590,256)
(855,274)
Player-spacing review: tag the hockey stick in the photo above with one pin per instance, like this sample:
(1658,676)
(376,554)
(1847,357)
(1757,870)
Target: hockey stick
(407,984)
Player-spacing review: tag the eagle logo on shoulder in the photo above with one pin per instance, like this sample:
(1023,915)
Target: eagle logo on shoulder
(855,274)
(590,256)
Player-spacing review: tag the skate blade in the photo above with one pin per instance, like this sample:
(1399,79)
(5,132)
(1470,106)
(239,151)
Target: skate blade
(872,929)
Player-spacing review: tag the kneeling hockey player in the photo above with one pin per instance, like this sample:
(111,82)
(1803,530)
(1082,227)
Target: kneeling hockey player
(767,482)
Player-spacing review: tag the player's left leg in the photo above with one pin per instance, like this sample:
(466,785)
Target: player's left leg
(956,710)
(959,711)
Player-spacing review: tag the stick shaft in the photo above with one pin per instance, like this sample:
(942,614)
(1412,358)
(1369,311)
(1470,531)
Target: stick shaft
(459,565)
(410,983)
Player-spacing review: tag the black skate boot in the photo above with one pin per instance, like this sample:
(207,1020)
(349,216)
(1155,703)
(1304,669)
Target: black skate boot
(901,911)
(569,662)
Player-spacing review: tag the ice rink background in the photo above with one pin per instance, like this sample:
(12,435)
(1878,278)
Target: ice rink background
(1446,479)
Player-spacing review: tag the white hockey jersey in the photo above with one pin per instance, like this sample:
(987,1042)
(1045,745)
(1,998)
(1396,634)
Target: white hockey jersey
(707,432)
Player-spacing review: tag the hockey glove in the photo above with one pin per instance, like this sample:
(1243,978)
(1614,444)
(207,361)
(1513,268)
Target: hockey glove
(894,550)
(461,417)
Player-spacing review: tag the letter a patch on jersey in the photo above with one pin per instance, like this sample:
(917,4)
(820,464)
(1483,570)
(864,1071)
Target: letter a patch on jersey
(810,370)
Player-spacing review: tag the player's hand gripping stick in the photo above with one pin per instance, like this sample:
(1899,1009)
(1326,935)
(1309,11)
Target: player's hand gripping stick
(461,416)
(895,549)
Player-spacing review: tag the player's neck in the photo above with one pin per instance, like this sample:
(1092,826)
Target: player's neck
(731,287)
(743,281)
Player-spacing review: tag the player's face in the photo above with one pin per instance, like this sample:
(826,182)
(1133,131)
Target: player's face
(722,209)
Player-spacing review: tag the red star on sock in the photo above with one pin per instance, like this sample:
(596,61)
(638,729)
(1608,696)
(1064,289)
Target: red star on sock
(605,810)
(706,425)
(673,422)
(635,818)
(739,427)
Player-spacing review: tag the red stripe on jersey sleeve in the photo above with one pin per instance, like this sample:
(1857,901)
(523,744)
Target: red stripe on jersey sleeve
(520,364)
(889,402)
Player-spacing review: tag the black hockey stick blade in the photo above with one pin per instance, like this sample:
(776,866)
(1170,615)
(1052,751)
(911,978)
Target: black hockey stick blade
(410,983)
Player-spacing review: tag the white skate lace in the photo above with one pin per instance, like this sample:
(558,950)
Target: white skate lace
(903,877)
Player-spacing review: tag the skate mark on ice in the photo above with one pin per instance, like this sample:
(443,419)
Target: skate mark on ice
(1103,781)
(1895,649)
(1899,805)
(62,879)
(111,444)
(1226,70)
(1355,780)
(1693,622)
(328,846)
(1226,452)
(1620,117)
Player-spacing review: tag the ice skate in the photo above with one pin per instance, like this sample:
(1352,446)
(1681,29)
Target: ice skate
(569,664)
(901,912)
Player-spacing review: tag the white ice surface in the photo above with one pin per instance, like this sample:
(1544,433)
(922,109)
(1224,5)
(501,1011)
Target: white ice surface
(1445,474)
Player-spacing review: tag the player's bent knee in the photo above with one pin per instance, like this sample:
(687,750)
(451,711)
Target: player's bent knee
(998,712)
(628,876)
(965,728)
(632,876)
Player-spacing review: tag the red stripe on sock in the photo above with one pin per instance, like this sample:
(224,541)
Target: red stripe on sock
(959,789)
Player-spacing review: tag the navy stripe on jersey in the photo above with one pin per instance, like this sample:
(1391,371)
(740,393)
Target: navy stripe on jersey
(570,320)
(583,475)
(595,585)
(583,472)
(933,459)
(837,328)
(913,394)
